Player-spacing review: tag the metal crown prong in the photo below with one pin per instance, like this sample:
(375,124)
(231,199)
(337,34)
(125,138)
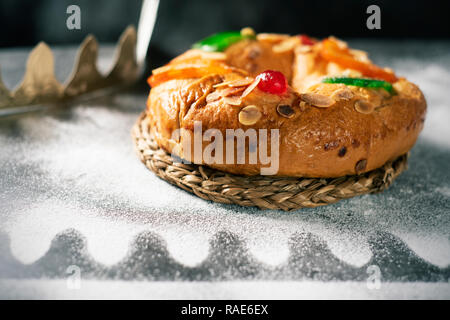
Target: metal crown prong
(85,77)
(39,83)
(5,95)
(125,68)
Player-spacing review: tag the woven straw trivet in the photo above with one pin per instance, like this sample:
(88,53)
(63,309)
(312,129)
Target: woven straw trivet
(264,192)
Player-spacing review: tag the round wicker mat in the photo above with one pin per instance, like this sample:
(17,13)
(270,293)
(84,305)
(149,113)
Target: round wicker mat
(264,192)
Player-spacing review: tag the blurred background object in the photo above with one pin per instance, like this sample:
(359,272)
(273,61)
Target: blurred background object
(180,23)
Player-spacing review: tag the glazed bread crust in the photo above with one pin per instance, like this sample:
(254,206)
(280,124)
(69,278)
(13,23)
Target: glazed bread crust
(314,141)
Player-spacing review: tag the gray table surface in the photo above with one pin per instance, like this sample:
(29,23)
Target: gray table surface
(73,193)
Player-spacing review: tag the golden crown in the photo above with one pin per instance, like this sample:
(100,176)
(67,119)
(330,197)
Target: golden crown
(39,84)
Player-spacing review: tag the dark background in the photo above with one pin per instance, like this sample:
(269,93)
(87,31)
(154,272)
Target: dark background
(25,22)
(180,23)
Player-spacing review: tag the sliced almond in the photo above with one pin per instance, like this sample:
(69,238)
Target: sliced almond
(218,94)
(304,49)
(271,37)
(213,55)
(250,88)
(234,101)
(222,84)
(286,45)
(332,68)
(383,93)
(241,82)
(342,94)
(351,73)
(214,96)
(302,106)
(231,91)
(317,100)
(364,106)
(235,83)
(249,115)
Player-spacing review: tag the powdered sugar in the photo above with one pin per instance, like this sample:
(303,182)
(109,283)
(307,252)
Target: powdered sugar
(93,182)
(77,169)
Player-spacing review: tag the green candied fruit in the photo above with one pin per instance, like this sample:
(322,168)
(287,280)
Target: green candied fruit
(220,41)
(361,82)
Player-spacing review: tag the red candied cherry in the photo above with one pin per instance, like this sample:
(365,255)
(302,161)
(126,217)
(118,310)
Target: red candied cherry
(273,82)
(306,40)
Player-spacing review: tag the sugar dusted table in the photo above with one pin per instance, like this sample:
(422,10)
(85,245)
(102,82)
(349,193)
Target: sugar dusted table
(76,204)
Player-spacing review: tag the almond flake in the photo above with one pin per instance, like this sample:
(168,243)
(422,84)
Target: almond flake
(249,115)
(231,91)
(271,37)
(286,45)
(235,83)
(214,96)
(364,106)
(234,101)
(317,100)
(342,94)
(241,82)
(250,88)
(304,49)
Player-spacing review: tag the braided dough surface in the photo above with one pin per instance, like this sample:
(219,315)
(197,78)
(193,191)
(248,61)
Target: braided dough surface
(315,141)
